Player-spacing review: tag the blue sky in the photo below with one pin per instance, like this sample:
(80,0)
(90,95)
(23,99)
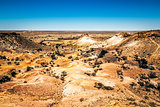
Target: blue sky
(79,15)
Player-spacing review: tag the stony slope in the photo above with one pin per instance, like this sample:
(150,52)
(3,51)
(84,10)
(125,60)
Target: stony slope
(14,41)
(143,44)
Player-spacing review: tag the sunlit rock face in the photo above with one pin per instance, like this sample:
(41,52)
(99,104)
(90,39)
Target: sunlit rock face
(86,40)
(114,40)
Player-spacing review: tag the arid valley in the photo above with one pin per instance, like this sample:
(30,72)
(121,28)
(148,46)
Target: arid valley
(80,69)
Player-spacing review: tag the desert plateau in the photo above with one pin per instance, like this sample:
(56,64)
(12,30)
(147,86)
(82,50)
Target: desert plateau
(80,69)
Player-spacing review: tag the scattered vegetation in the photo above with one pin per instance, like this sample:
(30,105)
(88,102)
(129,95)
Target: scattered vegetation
(4,79)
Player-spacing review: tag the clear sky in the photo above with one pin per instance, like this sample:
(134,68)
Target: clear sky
(100,15)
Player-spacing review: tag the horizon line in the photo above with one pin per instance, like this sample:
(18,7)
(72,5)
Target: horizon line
(81,30)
